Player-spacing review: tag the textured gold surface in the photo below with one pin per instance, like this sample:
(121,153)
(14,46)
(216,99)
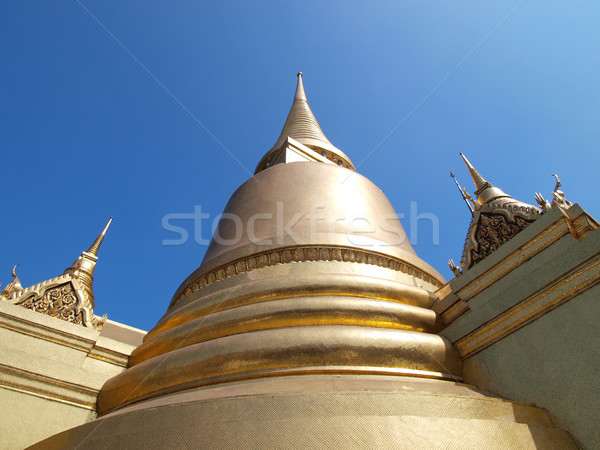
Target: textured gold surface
(306,334)
(316,411)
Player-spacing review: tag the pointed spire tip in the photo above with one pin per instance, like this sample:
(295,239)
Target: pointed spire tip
(480,182)
(486,191)
(96,245)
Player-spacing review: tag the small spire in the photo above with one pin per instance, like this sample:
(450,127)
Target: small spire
(480,182)
(96,245)
(464,194)
(485,191)
(83,267)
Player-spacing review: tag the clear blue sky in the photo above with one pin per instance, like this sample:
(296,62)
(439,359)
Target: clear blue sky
(86,133)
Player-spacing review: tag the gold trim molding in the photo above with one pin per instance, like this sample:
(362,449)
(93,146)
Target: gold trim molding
(49,388)
(551,296)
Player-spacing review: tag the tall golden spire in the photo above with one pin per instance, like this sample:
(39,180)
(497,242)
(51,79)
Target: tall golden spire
(302,126)
(485,191)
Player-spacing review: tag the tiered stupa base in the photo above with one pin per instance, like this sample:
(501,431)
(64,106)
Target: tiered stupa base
(321,411)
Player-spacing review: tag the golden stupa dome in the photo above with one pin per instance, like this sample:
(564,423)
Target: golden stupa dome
(309,271)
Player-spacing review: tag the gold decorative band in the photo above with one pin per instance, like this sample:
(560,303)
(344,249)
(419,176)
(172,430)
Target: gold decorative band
(305,253)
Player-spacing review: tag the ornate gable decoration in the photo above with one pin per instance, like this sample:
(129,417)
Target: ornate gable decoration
(492,225)
(497,218)
(68,297)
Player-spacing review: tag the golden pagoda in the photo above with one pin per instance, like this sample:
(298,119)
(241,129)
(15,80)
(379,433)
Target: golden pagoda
(312,322)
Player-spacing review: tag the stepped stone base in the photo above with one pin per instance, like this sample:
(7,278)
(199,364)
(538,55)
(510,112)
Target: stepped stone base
(337,411)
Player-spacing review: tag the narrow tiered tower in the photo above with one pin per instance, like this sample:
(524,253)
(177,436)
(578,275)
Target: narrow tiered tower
(307,324)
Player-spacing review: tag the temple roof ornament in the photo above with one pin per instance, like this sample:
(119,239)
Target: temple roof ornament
(453,267)
(301,127)
(69,297)
(558,198)
(14,288)
(497,218)
(471,204)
